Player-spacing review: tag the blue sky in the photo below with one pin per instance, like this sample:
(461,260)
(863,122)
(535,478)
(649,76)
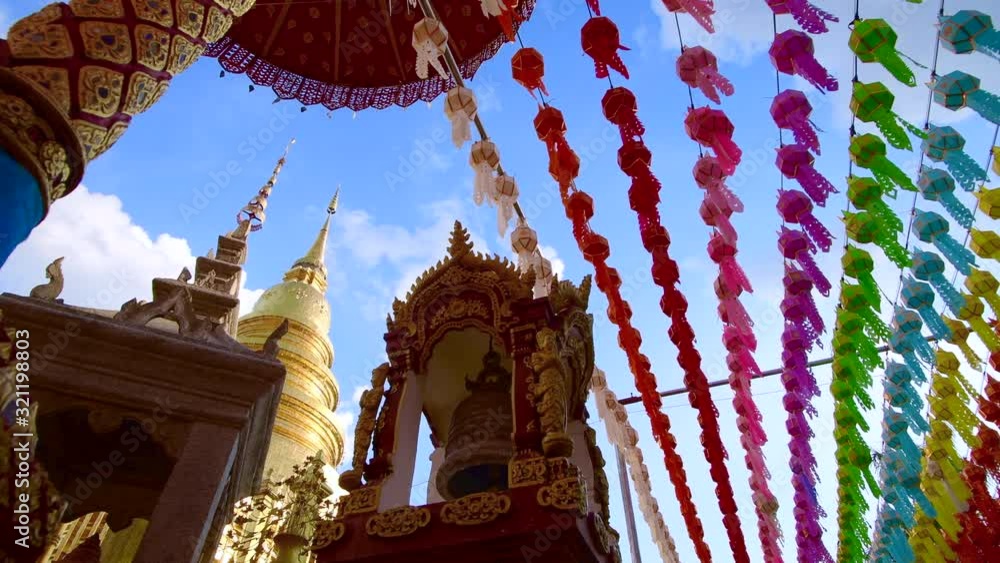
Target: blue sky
(404,184)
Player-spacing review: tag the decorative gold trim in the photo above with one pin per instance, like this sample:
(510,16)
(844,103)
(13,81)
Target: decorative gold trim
(361,501)
(564,494)
(97,8)
(527,472)
(327,532)
(398,522)
(475,509)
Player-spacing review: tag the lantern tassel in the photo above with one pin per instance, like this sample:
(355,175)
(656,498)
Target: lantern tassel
(985,104)
(894,63)
(892,249)
(962,214)
(700,10)
(805,134)
(965,170)
(951,296)
(727,151)
(889,175)
(816,74)
(815,184)
(989,43)
(934,322)
(721,196)
(961,257)
(817,232)
(886,216)
(461,129)
(810,269)
(428,55)
(484,184)
(893,131)
(711,82)
(737,315)
(733,276)
(809,17)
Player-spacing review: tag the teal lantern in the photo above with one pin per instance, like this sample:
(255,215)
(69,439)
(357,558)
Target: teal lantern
(958,89)
(919,296)
(945,144)
(969,30)
(937,185)
(933,228)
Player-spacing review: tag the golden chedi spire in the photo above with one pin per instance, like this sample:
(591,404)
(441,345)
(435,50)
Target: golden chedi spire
(305,422)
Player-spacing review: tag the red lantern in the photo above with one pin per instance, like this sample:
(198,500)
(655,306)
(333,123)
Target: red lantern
(621,109)
(698,68)
(528,67)
(711,128)
(550,125)
(634,158)
(601,42)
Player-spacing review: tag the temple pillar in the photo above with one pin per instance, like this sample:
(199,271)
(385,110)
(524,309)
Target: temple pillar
(437,458)
(72,77)
(183,514)
(398,484)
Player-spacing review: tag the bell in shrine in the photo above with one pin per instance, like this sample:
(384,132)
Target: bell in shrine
(479,441)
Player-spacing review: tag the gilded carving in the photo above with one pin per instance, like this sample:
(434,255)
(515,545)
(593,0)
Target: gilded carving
(182,55)
(216,25)
(361,501)
(551,395)
(53,82)
(105,41)
(239,7)
(100,90)
(98,8)
(365,428)
(327,532)
(156,11)
(115,133)
(54,162)
(471,510)
(141,90)
(527,472)
(564,494)
(152,46)
(398,522)
(459,309)
(93,137)
(31,40)
(190,16)
(160,91)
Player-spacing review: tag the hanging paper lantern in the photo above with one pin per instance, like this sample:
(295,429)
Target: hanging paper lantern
(698,68)
(709,176)
(985,244)
(865,228)
(937,185)
(430,41)
(794,245)
(932,228)
(866,193)
(849,338)
(718,217)
(484,159)
(959,338)
(809,17)
(507,194)
(796,162)
(700,10)
(972,314)
(792,52)
(723,253)
(873,103)
(858,264)
(621,109)
(989,202)
(875,41)
(601,42)
(982,284)
(907,325)
(460,107)
(712,128)
(795,207)
(524,243)
(528,68)
(854,299)
(550,126)
(970,30)
(791,110)
(868,151)
(899,383)
(928,266)
(798,305)
(958,89)
(920,297)
(945,144)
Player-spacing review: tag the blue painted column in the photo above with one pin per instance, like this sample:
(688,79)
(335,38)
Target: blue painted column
(21,205)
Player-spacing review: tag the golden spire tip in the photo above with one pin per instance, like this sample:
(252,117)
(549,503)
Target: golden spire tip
(332,208)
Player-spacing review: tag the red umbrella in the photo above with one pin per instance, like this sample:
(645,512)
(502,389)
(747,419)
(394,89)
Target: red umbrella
(354,53)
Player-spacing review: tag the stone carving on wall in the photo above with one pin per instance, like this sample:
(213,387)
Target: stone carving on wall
(176,306)
(50,291)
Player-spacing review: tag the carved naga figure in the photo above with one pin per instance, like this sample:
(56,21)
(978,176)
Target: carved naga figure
(551,391)
(51,290)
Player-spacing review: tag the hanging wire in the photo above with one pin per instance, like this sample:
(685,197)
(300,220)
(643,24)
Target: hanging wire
(680,41)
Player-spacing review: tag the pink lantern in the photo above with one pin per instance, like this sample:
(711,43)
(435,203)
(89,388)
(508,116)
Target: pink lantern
(701,10)
(698,68)
(723,253)
(711,128)
(795,162)
(811,18)
(718,217)
(791,110)
(795,207)
(793,53)
(709,176)
(731,310)
(794,245)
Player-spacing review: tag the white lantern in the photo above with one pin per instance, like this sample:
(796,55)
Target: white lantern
(524,243)
(430,39)
(484,160)
(460,107)
(507,194)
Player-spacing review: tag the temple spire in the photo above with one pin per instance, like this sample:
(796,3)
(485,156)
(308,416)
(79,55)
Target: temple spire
(317,252)
(252,216)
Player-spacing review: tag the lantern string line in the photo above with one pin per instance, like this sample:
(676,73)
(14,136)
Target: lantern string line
(680,41)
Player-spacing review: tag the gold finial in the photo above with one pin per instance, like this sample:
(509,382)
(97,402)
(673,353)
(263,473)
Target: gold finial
(332,208)
(254,211)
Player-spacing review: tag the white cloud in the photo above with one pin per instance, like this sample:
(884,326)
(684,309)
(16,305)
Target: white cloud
(742,29)
(108,258)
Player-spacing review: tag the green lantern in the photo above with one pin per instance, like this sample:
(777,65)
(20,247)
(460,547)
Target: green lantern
(872,103)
